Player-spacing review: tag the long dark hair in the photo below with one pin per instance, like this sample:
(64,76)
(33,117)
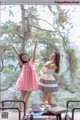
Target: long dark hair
(57,61)
(20,55)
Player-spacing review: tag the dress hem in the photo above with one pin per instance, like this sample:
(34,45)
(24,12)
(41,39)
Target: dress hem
(26,90)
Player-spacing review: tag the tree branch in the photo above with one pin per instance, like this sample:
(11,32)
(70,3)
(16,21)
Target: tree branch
(41,28)
(2,65)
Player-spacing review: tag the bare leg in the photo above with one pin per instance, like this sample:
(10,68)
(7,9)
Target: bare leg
(26,99)
(49,97)
(23,93)
(44,94)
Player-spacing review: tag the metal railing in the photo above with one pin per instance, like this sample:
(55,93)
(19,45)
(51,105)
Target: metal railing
(16,108)
(74,108)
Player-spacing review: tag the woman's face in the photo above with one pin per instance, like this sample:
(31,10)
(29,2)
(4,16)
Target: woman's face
(25,58)
(52,57)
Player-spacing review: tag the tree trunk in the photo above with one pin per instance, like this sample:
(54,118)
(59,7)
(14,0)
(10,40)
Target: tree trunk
(23,29)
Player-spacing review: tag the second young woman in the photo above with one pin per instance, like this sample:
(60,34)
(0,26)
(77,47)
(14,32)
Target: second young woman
(48,83)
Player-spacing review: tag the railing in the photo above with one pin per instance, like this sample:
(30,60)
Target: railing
(16,108)
(74,108)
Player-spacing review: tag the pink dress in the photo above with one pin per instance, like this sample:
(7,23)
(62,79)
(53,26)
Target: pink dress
(28,79)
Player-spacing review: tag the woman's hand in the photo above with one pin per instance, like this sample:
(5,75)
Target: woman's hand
(14,48)
(11,45)
(50,65)
(21,63)
(51,62)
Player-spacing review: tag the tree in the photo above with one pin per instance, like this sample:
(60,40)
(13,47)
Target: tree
(23,34)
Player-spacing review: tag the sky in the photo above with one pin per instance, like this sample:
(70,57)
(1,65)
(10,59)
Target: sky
(75,19)
(75,32)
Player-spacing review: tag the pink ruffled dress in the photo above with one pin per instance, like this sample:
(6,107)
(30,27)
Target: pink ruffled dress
(28,79)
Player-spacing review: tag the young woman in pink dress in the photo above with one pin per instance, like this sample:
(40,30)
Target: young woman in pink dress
(27,81)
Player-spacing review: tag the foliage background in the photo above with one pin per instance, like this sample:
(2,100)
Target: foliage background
(52,34)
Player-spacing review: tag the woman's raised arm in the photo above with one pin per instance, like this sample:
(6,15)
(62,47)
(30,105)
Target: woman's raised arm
(16,51)
(34,52)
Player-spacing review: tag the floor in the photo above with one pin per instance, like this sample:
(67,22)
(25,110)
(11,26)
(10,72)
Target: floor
(14,116)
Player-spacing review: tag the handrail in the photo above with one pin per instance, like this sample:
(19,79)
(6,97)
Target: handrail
(74,108)
(12,108)
(3,101)
(78,108)
(70,101)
